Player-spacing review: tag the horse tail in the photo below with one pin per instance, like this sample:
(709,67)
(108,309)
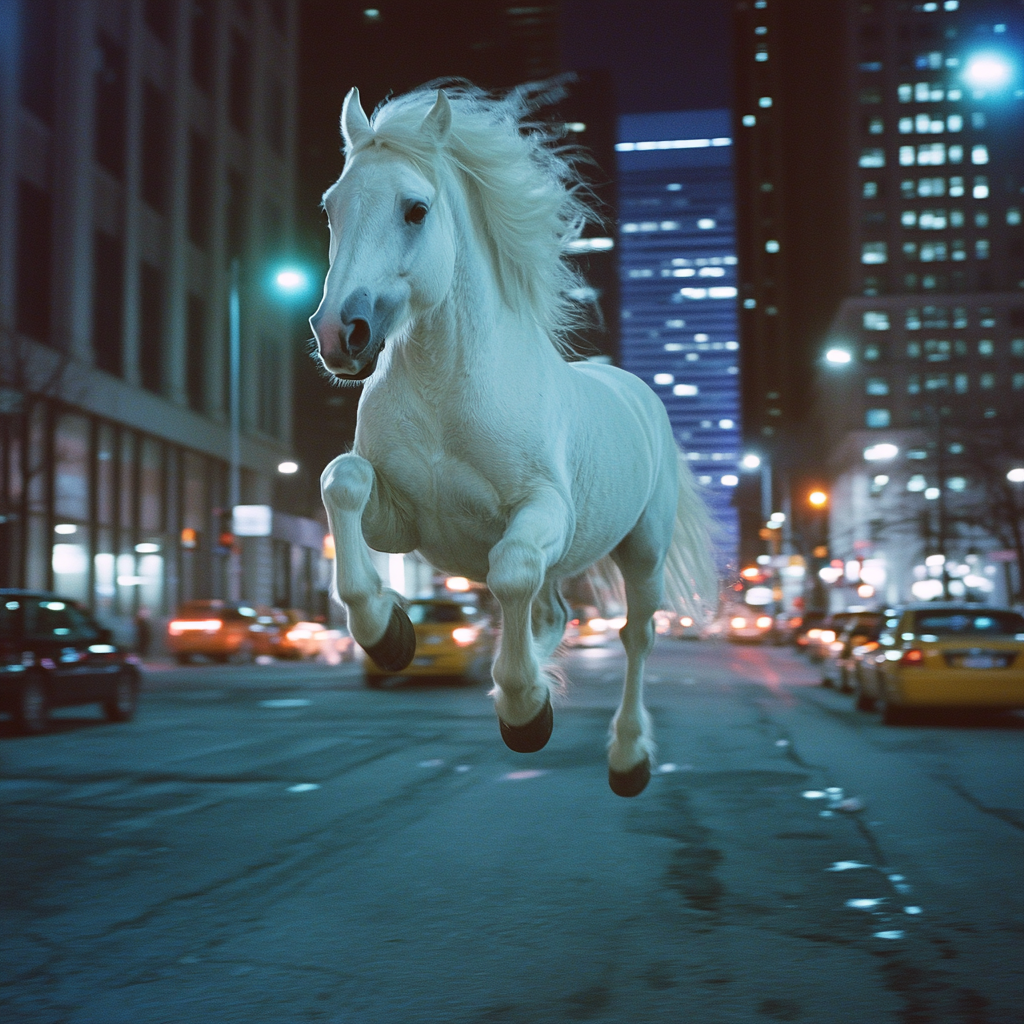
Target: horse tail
(691,579)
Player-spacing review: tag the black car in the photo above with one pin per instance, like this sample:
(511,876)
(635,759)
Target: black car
(53,654)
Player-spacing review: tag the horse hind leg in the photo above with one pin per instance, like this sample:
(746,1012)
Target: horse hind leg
(631,745)
(376,619)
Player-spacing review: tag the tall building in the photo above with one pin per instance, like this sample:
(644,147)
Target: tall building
(146,147)
(677,259)
(906,154)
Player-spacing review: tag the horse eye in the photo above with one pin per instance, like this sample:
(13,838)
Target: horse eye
(416,213)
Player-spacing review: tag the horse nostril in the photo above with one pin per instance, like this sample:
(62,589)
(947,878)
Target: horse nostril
(357,336)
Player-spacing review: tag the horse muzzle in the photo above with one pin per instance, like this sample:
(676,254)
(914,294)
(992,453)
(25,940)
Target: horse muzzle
(351,343)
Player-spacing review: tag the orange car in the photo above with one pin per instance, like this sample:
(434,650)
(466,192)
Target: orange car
(221,630)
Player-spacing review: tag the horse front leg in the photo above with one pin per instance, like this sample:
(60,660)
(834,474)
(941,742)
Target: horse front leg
(376,619)
(536,538)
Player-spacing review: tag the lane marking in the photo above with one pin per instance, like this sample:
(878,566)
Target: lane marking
(303,787)
(286,702)
(528,773)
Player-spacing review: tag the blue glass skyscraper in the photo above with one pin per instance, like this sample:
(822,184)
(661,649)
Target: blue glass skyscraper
(677,246)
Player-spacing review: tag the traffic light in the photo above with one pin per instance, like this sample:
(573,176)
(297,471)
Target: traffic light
(225,532)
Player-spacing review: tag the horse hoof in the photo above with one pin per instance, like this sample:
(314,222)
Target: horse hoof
(631,783)
(395,649)
(529,738)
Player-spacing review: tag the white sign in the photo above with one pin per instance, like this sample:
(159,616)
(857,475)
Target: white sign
(251,520)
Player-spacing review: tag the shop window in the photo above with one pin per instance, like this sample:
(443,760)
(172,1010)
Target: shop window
(71,468)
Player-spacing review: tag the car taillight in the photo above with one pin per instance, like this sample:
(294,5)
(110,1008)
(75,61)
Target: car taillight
(763,621)
(465,635)
(686,621)
(913,656)
(179,626)
(826,636)
(813,634)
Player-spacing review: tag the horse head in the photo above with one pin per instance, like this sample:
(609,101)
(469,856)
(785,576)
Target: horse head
(392,250)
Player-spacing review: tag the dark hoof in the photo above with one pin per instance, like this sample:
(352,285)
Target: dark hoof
(631,783)
(529,738)
(395,649)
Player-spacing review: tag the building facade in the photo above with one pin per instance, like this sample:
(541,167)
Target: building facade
(918,407)
(147,147)
(677,260)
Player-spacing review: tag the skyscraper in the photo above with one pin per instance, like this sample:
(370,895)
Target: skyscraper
(908,306)
(677,261)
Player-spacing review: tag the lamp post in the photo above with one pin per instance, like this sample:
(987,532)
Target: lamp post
(291,282)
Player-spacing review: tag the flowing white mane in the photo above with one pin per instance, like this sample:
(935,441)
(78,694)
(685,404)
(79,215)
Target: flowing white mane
(524,191)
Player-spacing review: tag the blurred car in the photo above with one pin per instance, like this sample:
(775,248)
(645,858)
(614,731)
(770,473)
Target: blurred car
(287,633)
(749,625)
(944,655)
(860,635)
(809,621)
(820,638)
(587,627)
(682,627)
(335,645)
(54,654)
(453,639)
(221,630)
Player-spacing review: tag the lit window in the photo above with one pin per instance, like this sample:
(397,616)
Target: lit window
(761,55)
(675,323)
(871,353)
(960,383)
(913,320)
(910,250)
(957,251)
(933,252)
(923,124)
(978,119)
(979,154)
(1013,215)
(987,380)
(764,101)
(664,378)
(673,346)
(908,218)
(641,273)
(877,418)
(913,384)
(956,186)
(749,120)
(711,272)
(932,220)
(683,272)
(956,218)
(730,480)
(674,186)
(922,92)
(706,223)
(876,320)
(917,483)
(956,154)
(872,157)
(906,125)
(874,252)
(981,249)
(1017,347)
(937,382)
(933,153)
(876,126)
(936,350)
(870,189)
(1018,382)
(906,156)
(685,390)
(669,225)
(981,219)
(876,386)
(771,245)
(905,93)
(726,424)
(986,347)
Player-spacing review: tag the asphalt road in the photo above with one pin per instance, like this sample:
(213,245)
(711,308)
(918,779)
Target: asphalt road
(278,844)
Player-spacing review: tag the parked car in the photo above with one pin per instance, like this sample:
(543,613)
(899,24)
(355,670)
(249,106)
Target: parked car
(453,639)
(859,636)
(944,655)
(54,654)
(810,621)
(221,630)
(820,638)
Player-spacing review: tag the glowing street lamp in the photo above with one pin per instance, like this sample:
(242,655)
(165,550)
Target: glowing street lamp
(838,356)
(988,71)
(287,467)
(819,499)
(1016,475)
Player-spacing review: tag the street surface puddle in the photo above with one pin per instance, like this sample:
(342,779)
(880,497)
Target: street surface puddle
(434,762)
(303,787)
(893,934)
(528,773)
(668,767)
(911,910)
(847,865)
(865,904)
(286,702)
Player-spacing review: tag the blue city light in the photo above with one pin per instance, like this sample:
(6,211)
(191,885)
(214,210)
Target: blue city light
(988,71)
(291,281)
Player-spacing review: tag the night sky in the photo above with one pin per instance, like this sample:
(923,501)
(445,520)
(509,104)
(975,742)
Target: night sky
(664,54)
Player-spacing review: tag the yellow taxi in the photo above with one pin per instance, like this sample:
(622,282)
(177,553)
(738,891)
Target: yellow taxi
(454,639)
(944,655)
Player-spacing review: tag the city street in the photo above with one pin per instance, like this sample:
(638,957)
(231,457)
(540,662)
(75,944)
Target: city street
(276,843)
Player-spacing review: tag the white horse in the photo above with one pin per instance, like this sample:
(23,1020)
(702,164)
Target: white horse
(477,443)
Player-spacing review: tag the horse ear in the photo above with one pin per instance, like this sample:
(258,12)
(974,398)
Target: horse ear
(354,123)
(438,121)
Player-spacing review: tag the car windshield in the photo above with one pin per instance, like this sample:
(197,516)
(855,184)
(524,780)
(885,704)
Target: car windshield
(428,613)
(963,620)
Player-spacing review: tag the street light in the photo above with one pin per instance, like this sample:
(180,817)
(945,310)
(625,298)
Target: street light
(988,71)
(289,281)
(1016,475)
(838,356)
(818,499)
